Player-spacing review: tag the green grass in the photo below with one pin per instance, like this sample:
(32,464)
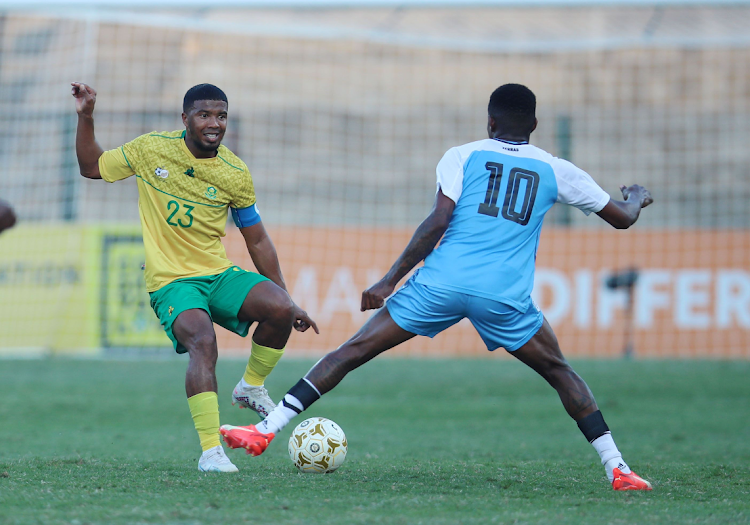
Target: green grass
(431,442)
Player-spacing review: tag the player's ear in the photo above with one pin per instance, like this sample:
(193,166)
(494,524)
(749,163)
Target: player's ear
(184,119)
(491,125)
(536,122)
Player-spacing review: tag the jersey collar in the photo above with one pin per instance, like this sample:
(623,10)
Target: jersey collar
(513,142)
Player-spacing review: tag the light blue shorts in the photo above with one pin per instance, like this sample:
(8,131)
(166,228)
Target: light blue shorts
(427,310)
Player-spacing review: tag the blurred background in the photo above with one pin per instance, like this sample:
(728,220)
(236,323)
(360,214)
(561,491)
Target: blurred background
(341,110)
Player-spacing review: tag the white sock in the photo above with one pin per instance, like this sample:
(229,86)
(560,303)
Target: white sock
(610,456)
(244,385)
(212,450)
(280,416)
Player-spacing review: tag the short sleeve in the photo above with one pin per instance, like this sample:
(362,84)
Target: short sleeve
(121,163)
(114,165)
(577,188)
(450,174)
(243,194)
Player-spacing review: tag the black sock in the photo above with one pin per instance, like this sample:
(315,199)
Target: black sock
(303,392)
(593,426)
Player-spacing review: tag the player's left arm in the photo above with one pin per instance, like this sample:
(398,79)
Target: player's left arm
(623,214)
(266,260)
(577,188)
(422,243)
(263,252)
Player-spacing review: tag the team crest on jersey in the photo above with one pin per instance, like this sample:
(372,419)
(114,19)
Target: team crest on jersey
(161,173)
(211,193)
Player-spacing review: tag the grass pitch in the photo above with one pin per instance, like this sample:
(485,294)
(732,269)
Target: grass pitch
(432,442)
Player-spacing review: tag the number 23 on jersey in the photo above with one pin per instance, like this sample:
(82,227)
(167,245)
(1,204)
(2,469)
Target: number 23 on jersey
(180,215)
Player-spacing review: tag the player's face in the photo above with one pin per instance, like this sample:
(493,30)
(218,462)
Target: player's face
(205,124)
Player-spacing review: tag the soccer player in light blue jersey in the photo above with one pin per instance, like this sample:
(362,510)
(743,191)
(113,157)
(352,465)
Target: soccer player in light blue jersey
(492,196)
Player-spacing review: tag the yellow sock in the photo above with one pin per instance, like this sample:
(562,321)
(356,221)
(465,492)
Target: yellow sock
(204,408)
(262,361)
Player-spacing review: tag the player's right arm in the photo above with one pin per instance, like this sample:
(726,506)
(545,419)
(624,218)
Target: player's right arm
(450,175)
(7,216)
(422,243)
(88,150)
(95,163)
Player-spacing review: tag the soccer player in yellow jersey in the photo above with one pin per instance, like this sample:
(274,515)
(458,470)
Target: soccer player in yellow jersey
(186,181)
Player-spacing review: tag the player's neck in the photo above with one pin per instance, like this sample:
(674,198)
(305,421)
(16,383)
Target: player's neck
(510,137)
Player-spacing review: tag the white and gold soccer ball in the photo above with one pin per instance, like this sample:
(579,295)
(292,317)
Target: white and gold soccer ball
(317,445)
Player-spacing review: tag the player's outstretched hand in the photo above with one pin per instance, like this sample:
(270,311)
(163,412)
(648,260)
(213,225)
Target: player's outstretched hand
(638,192)
(302,321)
(374,297)
(85,98)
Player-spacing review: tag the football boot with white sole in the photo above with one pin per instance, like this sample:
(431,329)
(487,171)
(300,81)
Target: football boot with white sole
(215,460)
(253,397)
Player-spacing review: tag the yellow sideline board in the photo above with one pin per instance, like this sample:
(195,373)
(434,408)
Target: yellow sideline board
(72,289)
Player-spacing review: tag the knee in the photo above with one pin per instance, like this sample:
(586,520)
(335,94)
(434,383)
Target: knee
(554,370)
(203,346)
(282,310)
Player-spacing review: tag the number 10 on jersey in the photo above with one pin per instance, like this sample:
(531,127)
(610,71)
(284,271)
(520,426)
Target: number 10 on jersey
(516,179)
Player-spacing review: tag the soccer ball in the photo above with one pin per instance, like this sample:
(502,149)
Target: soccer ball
(317,445)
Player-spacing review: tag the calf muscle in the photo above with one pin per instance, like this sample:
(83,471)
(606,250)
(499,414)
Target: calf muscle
(575,395)
(542,353)
(329,371)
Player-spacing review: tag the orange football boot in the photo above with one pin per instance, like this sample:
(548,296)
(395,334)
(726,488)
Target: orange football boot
(247,437)
(630,481)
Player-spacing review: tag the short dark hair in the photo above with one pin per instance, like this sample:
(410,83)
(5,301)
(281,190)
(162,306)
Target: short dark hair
(202,92)
(515,105)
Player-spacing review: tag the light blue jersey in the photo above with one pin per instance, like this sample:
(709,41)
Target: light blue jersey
(502,191)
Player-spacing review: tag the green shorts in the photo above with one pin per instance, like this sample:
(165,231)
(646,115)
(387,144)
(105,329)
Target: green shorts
(221,296)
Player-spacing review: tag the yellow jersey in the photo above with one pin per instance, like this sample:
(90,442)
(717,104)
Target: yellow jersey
(182,202)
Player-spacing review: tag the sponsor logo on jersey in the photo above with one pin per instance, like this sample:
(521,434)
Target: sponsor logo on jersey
(171,309)
(161,173)
(211,192)
(190,172)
